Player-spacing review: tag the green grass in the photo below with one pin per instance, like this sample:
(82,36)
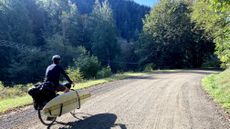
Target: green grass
(218,86)
(12,103)
(11,98)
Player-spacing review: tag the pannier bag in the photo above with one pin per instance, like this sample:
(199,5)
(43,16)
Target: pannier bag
(42,94)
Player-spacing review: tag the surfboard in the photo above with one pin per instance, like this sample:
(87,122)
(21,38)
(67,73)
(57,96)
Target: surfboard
(65,103)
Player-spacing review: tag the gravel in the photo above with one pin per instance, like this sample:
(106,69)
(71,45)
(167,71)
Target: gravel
(172,100)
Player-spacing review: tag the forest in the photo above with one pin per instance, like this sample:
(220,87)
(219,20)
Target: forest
(96,38)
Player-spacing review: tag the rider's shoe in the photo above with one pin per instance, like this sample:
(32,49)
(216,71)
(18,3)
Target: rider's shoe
(50,118)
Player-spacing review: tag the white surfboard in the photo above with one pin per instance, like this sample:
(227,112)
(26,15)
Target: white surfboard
(64,103)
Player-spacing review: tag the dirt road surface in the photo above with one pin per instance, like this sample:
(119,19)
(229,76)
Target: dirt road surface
(172,100)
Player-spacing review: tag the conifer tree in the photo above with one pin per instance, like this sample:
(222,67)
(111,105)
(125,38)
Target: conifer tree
(104,42)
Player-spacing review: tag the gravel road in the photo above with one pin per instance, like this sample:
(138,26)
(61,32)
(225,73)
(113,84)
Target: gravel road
(172,100)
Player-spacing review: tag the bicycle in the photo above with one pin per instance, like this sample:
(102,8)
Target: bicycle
(42,95)
(43,118)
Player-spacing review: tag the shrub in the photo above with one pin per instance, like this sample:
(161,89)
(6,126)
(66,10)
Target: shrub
(218,86)
(211,61)
(1,90)
(149,67)
(105,72)
(11,92)
(88,65)
(1,85)
(75,74)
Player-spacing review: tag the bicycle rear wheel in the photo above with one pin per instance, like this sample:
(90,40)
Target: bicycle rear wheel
(44,120)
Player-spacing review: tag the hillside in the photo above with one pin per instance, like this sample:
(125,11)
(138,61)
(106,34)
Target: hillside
(127,15)
(33,31)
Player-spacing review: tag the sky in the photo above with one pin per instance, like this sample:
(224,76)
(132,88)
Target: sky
(146,2)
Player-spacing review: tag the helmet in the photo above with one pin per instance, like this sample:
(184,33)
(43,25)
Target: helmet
(56,57)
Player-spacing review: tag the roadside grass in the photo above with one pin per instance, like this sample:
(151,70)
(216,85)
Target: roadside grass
(218,86)
(12,98)
(12,103)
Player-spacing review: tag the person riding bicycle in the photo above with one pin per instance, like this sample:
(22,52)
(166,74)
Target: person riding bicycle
(53,73)
(52,77)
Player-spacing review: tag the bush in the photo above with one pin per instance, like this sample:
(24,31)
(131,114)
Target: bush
(218,86)
(1,88)
(1,84)
(75,74)
(105,72)
(88,65)
(12,92)
(211,61)
(149,67)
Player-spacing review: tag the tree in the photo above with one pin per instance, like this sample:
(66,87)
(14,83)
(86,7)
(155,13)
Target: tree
(61,29)
(37,17)
(61,18)
(42,24)
(26,68)
(88,64)
(169,38)
(13,29)
(104,42)
(213,17)
(32,31)
(127,15)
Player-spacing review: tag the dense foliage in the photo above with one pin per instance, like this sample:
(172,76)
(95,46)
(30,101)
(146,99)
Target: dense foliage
(170,39)
(112,36)
(104,72)
(126,14)
(214,17)
(34,30)
(88,64)
(104,42)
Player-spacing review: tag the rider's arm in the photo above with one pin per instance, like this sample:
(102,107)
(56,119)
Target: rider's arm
(65,75)
(66,90)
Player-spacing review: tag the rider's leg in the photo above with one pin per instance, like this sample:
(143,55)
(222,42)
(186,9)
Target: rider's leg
(62,88)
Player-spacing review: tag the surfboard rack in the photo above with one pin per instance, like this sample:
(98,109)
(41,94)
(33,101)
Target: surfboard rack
(61,105)
(64,103)
(61,110)
(78,100)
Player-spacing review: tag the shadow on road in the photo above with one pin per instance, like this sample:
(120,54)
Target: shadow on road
(99,121)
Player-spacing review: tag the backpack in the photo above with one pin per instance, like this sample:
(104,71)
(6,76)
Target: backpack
(42,93)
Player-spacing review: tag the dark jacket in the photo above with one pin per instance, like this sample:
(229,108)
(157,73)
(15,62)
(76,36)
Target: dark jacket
(53,73)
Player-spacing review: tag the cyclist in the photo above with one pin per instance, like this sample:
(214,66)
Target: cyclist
(52,76)
(53,73)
